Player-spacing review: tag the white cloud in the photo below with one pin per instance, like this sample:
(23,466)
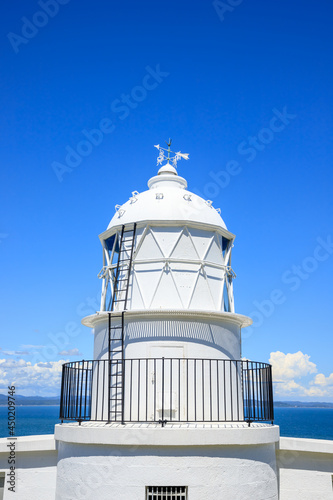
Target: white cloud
(42,379)
(69,352)
(323,381)
(32,346)
(15,353)
(290,366)
(291,374)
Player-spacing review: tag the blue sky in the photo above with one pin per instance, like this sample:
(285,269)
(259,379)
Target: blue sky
(244,88)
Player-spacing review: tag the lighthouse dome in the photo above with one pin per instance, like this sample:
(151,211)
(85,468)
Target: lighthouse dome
(169,249)
(167,199)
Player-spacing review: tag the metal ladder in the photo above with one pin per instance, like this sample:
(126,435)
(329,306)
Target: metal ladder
(116,324)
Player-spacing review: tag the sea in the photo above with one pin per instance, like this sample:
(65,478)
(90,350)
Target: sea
(313,423)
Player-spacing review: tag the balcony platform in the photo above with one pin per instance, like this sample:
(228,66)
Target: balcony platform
(173,434)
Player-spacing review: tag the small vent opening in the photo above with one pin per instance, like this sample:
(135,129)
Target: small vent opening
(166,493)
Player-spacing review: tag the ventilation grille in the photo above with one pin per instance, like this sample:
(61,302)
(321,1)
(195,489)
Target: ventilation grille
(166,493)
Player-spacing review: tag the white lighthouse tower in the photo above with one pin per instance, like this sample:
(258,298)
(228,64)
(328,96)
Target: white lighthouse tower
(167,409)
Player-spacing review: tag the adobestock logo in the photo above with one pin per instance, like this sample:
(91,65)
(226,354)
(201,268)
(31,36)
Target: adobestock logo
(227,6)
(121,107)
(3,236)
(61,340)
(293,278)
(265,135)
(30,28)
(248,149)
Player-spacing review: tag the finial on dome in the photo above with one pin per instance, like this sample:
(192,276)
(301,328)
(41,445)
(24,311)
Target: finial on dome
(162,157)
(167,169)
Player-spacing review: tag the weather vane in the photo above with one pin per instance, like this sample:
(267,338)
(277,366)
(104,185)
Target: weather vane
(162,156)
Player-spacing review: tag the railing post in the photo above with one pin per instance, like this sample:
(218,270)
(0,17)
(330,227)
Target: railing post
(253,391)
(80,401)
(123,394)
(248,394)
(162,420)
(162,389)
(271,403)
(109,367)
(62,391)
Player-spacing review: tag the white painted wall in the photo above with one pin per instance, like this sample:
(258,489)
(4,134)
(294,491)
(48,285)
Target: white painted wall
(36,462)
(207,337)
(305,469)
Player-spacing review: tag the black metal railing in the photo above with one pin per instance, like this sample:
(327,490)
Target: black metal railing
(167,390)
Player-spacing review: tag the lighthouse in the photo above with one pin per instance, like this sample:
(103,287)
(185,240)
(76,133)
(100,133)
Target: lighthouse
(167,408)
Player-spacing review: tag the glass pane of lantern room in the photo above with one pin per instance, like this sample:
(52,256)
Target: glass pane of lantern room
(226,304)
(110,244)
(225,243)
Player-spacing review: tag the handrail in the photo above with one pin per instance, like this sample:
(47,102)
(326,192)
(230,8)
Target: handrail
(168,390)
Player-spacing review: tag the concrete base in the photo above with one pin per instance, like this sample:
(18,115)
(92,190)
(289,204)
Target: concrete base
(214,461)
